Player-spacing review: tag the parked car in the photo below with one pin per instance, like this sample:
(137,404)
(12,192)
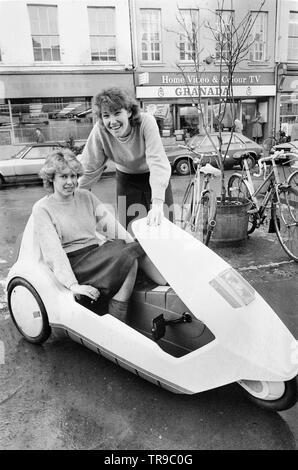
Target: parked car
(26,164)
(291,146)
(182,159)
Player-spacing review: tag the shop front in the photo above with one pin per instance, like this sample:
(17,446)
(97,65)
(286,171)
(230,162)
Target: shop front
(173,99)
(58,103)
(287,104)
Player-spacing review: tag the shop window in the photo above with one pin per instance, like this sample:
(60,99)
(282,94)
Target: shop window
(102,33)
(151,35)
(188,35)
(258,38)
(293,36)
(224,33)
(44,32)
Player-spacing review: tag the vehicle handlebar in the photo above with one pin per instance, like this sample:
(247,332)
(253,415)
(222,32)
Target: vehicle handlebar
(262,162)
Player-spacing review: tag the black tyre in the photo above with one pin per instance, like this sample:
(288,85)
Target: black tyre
(285,216)
(237,187)
(251,162)
(1,181)
(184,166)
(206,216)
(28,311)
(287,399)
(187,207)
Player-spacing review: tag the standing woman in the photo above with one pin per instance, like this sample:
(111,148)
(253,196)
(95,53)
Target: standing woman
(131,139)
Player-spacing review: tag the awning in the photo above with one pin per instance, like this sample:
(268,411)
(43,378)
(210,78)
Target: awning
(43,85)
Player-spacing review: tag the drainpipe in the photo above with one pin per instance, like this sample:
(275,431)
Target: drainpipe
(132,39)
(277,65)
(11,122)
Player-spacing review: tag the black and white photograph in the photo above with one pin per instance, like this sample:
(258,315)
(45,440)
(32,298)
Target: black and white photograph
(148,227)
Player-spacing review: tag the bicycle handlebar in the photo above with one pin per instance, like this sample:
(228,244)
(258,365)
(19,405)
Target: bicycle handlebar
(263,160)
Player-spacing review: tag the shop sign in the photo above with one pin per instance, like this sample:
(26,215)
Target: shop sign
(203,91)
(206,79)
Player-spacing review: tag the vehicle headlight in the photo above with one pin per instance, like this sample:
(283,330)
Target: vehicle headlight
(233,288)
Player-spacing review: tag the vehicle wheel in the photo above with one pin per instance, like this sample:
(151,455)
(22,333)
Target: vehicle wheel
(1,181)
(251,162)
(28,311)
(285,216)
(272,396)
(205,217)
(237,187)
(187,207)
(183,167)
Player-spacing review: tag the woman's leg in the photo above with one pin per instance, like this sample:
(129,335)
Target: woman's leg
(126,289)
(151,271)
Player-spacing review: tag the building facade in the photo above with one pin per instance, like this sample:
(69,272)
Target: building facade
(55,55)
(287,67)
(162,49)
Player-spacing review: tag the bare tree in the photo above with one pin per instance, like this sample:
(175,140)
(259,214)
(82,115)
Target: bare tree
(233,42)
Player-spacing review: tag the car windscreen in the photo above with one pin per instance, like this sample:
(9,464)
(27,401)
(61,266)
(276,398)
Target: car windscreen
(19,153)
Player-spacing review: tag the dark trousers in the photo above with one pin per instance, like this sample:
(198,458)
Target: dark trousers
(134,198)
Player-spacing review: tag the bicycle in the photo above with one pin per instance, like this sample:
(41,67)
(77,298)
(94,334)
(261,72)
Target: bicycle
(198,209)
(270,142)
(281,195)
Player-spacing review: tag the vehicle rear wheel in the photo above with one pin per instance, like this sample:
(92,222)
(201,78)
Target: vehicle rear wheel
(183,167)
(272,396)
(28,311)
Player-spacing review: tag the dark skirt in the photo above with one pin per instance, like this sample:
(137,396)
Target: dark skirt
(134,198)
(106,266)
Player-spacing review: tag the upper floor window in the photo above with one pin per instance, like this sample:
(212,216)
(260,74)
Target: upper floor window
(102,33)
(293,36)
(224,34)
(44,32)
(188,35)
(151,35)
(258,49)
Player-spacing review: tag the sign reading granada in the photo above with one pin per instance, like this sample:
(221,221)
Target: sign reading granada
(203,91)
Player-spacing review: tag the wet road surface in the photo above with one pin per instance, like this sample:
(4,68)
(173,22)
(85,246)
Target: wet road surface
(62,396)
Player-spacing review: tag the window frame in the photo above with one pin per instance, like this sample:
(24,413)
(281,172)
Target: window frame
(218,18)
(150,51)
(187,51)
(291,37)
(45,37)
(100,36)
(252,51)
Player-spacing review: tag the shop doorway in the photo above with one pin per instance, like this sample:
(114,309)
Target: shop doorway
(248,111)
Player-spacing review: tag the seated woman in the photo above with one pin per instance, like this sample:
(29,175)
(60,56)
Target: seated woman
(66,222)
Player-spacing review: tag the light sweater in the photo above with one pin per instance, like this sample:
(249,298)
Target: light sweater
(141,151)
(62,227)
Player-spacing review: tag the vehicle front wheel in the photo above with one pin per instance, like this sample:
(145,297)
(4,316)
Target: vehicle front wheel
(183,167)
(28,311)
(272,396)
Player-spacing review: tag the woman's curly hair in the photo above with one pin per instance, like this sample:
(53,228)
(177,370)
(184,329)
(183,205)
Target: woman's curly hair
(56,162)
(116,98)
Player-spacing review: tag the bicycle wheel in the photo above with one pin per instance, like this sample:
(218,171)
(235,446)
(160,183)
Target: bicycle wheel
(205,217)
(237,187)
(187,207)
(285,216)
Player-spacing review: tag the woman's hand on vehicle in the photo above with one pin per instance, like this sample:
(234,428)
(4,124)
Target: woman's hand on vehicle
(156,213)
(89,291)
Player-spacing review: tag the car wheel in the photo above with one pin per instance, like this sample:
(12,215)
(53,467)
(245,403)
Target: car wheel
(1,181)
(250,161)
(183,166)
(28,311)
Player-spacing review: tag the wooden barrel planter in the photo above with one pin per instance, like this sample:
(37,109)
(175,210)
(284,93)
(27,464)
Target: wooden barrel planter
(231,221)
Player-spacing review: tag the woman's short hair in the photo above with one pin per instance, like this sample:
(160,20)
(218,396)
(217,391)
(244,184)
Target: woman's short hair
(56,162)
(114,99)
